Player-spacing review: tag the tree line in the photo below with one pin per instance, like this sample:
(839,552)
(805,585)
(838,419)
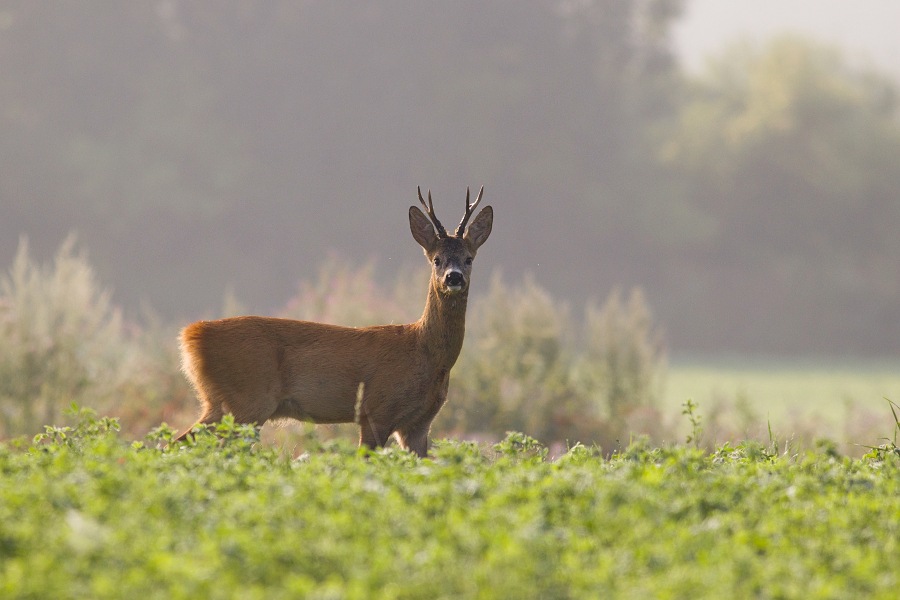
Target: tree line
(199,148)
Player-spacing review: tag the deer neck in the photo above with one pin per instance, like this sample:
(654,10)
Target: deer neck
(443,325)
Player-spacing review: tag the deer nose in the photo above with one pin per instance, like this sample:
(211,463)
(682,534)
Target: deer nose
(453,279)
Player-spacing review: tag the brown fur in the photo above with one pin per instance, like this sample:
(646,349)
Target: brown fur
(263,368)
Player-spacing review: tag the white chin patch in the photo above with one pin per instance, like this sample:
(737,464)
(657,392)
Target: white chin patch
(454,288)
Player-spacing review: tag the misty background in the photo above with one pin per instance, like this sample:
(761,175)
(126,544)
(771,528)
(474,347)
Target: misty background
(748,184)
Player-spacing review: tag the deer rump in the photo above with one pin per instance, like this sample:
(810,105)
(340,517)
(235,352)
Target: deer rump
(264,368)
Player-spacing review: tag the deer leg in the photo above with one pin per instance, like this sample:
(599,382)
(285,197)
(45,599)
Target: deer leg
(415,440)
(212,414)
(370,435)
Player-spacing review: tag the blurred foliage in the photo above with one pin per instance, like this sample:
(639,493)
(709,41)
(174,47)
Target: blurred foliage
(788,154)
(62,341)
(515,370)
(526,364)
(351,295)
(199,148)
(624,359)
(523,367)
(242,135)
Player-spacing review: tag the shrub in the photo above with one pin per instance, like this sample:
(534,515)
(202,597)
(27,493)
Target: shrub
(350,295)
(154,389)
(624,359)
(523,369)
(62,340)
(515,369)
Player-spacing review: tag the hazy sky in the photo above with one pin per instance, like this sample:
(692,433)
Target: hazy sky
(868,29)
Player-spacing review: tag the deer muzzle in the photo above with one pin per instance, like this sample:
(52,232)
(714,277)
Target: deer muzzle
(454,281)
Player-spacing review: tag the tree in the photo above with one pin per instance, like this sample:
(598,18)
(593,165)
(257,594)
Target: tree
(790,157)
(210,131)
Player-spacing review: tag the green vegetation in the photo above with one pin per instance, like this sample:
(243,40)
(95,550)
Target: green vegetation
(523,351)
(84,514)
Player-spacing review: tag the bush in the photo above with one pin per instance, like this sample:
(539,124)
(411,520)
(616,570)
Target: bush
(624,360)
(154,389)
(62,340)
(523,369)
(345,294)
(515,369)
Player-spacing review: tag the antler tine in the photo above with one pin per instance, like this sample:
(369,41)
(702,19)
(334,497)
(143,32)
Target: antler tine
(429,208)
(470,208)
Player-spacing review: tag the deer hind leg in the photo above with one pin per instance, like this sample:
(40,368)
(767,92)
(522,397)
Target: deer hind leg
(414,440)
(212,413)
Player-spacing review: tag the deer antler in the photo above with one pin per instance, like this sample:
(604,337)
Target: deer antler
(441,232)
(469,209)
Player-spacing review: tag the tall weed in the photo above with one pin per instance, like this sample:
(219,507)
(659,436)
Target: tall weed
(523,367)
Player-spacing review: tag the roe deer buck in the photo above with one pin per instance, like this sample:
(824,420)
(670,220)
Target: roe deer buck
(261,368)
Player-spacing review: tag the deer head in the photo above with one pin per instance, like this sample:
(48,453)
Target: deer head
(450,256)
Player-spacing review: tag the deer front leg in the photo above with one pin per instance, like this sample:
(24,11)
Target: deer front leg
(370,435)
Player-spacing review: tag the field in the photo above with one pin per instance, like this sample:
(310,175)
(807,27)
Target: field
(800,400)
(85,514)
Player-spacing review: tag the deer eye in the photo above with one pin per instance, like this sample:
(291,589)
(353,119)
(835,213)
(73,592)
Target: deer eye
(469,260)
(437,261)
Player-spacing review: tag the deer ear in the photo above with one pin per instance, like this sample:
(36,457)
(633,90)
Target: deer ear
(478,231)
(421,228)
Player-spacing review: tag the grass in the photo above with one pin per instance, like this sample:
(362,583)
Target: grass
(85,514)
(841,401)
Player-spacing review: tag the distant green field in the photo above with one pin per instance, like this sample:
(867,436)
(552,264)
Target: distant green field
(832,400)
